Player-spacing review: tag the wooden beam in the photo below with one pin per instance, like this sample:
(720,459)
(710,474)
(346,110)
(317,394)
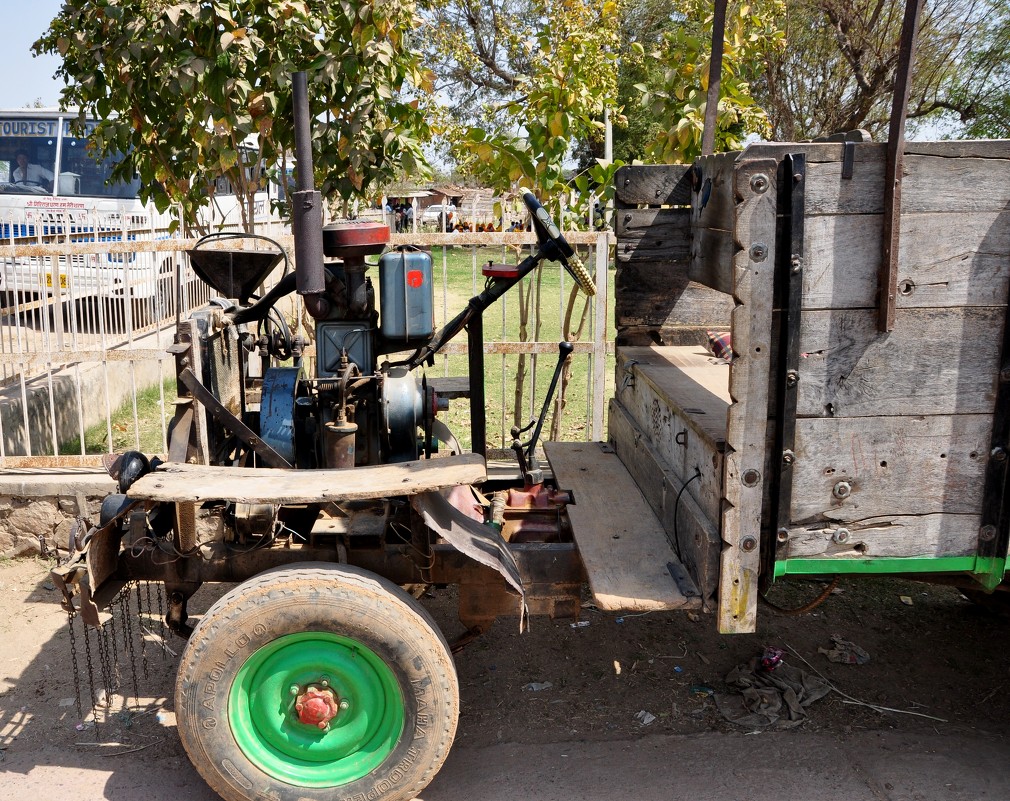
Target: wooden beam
(186,482)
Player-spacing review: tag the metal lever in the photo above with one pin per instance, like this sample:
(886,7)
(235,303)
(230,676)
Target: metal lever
(528,464)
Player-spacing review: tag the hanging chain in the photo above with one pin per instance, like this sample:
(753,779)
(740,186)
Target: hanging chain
(111,635)
(127,626)
(161,620)
(73,661)
(143,634)
(103,660)
(91,676)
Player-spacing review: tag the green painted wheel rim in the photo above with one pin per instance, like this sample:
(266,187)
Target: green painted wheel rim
(266,727)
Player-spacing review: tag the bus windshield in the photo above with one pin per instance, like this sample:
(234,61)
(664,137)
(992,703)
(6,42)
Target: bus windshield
(40,155)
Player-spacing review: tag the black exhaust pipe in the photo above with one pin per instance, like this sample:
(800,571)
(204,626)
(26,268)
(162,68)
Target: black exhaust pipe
(307,209)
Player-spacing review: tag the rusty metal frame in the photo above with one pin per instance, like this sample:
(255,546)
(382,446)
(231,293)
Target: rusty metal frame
(891,235)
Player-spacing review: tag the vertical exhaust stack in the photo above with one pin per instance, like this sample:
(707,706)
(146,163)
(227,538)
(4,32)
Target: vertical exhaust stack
(307,210)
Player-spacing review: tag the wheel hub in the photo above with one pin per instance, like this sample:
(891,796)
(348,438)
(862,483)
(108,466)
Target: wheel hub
(317,705)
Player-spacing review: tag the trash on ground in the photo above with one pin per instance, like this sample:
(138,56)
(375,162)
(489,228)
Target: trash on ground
(537,686)
(617,667)
(678,669)
(771,658)
(763,698)
(66,702)
(844,652)
(694,617)
(644,718)
(906,600)
(579,624)
(701,691)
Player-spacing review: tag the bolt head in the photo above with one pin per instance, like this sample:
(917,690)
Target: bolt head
(294,689)
(987,533)
(750,477)
(841,490)
(759,183)
(841,535)
(782,535)
(748,544)
(344,704)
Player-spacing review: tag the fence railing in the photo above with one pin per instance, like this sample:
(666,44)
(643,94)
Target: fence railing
(84,368)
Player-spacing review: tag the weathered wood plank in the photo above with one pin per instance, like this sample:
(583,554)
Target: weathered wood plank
(714,205)
(623,545)
(744,464)
(174,481)
(849,469)
(936,361)
(695,537)
(653,185)
(928,535)
(683,419)
(870,152)
(684,378)
(643,336)
(653,235)
(944,260)
(931,184)
(662,296)
(712,255)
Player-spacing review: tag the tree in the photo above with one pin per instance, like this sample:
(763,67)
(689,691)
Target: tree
(752,34)
(181,88)
(524,80)
(837,73)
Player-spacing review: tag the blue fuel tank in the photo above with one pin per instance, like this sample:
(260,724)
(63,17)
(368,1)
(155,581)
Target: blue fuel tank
(406,295)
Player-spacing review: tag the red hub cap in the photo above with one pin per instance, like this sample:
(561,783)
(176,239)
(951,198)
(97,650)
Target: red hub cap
(316,707)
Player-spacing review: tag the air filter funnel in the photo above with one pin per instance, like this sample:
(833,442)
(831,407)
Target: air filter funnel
(234,272)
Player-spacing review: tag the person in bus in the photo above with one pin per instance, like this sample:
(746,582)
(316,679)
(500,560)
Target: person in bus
(26,173)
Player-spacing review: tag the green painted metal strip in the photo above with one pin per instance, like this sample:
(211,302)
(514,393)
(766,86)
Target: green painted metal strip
(989,571)
(921,564)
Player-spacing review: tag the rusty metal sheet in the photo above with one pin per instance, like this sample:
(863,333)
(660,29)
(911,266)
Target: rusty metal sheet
(481,543)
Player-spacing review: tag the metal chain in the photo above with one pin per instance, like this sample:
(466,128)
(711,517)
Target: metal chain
(73,661)
(111,634)
(103,661)
(161,620)
(140,620)
(91,676)
(124,611)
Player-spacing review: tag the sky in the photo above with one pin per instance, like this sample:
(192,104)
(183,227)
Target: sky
(27,79)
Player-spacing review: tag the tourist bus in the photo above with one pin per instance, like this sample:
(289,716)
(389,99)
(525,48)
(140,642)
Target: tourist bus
(53,189)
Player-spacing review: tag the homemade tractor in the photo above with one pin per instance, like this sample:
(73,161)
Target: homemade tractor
(318,676)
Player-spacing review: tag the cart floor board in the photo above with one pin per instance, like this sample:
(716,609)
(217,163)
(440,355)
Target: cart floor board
(624,548)
(188,482)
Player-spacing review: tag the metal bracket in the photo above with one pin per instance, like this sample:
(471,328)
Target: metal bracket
(788,303)
(994,523)
(230,421)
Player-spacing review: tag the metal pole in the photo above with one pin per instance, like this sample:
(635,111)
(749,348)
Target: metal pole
(714,79)
(887,280)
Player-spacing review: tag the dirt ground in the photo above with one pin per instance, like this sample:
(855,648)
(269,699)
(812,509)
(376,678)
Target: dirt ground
(933,653)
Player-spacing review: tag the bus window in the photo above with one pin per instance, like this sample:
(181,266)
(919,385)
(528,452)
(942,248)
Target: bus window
(82,174)
(27,165)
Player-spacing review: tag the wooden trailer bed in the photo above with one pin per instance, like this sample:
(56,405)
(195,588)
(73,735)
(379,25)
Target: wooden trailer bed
(827,446)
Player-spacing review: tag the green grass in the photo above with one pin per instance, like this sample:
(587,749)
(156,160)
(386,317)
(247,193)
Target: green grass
(457,278)
(150,413)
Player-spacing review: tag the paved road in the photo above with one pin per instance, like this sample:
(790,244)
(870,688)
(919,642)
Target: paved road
(868,766)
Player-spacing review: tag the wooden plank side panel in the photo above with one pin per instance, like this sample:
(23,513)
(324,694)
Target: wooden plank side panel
(653,185)
(174,481)
(712,256)
(693,534)
(850,469)
(743,476)
(871,152)
(680,418)
(936,361)
(944,260)
(623,545)
(660,297)
(653,235)
(930,535)
(930,184)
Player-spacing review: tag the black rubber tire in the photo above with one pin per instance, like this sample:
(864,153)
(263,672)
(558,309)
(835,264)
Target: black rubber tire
(318,597)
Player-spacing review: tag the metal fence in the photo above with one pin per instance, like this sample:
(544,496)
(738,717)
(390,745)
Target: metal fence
(85,326)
